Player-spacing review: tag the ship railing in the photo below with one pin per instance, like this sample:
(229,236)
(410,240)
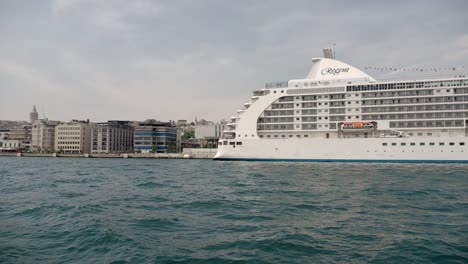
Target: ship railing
(271,85)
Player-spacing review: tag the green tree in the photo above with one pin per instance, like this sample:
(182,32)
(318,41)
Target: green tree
(188,135)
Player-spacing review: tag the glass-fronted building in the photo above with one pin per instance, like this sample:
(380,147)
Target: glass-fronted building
(155,136)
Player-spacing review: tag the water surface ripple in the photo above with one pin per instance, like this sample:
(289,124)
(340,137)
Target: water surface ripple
(59,210)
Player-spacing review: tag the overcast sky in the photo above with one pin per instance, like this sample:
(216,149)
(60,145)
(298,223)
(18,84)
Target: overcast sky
(170,60)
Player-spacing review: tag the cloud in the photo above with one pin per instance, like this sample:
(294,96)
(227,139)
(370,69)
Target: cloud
(172,59)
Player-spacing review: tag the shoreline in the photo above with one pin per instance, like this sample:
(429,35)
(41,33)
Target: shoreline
(192,155)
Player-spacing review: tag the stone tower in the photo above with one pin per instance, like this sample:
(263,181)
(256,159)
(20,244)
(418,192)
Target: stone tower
(33,116)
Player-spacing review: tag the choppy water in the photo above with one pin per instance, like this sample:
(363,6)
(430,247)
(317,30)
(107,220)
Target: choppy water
(58,210)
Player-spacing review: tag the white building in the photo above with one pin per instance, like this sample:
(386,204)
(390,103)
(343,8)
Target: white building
(73,137)
(209,134)
(43,135)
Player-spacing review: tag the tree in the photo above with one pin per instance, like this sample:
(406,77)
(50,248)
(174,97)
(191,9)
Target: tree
(188,135)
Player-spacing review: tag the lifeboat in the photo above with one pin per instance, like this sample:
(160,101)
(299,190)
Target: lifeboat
(357,125)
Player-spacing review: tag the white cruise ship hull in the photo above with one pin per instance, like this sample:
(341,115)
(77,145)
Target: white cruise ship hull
(358,150)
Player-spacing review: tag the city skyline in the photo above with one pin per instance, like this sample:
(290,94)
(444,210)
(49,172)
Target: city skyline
(135,60)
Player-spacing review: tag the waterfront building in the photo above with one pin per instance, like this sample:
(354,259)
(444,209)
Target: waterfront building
(155,136)
(209,133)
(10,145)
(7,144)
(112,137)
(22,134)
(33,116)
(43,135)
(73,137)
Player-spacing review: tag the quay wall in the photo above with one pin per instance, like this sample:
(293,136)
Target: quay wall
(186,154)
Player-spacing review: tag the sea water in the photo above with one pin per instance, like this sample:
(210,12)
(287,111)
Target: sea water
(86,210)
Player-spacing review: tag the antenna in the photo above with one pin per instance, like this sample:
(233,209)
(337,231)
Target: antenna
(43,112)
(334,55)
(328,53)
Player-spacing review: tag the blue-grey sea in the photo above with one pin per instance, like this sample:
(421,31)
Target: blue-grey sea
(60,210)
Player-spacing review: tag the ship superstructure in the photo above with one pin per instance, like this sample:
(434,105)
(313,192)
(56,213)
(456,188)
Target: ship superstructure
(340,113)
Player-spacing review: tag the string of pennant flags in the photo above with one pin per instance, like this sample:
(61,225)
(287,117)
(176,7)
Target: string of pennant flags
(389,69)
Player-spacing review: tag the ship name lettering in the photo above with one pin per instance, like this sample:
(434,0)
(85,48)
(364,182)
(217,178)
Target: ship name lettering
(334,71)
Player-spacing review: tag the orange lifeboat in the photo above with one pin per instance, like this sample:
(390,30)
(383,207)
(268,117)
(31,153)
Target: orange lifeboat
(357,125)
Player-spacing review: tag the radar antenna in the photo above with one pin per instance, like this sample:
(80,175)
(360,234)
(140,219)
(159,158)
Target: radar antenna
(328,53)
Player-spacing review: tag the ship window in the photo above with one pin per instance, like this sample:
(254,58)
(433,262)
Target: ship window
(232,143)
(225,142)
(297,118)
(283,135)
(238,143)
(393,144)
(275,136)
(274,91)
(462,143)
(431,144)
(451,143)
(290,135)
(297,104)
(410,134)
(403,144)
(246,135)
(306,135)
(420,134)
(261,136)
(298,136)
(268,136)
(441,143)
(429,134)
(384,144)
(422,144)
(239,135)
(282,91)
(349,102)
(413,144)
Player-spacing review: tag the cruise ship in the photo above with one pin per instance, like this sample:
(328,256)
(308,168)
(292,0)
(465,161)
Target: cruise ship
(340,113)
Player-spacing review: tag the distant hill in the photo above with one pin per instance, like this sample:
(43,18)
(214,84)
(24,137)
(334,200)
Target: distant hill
(7,124)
